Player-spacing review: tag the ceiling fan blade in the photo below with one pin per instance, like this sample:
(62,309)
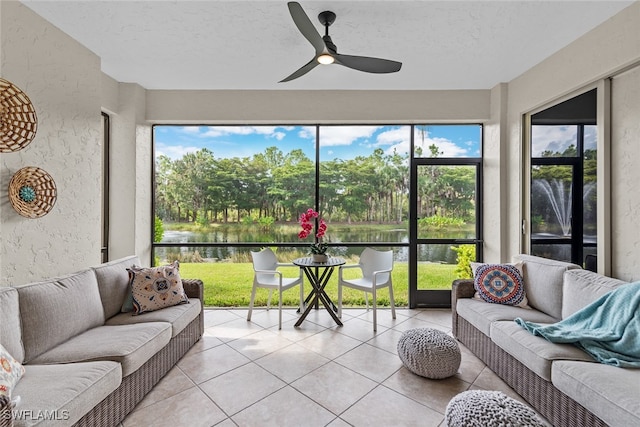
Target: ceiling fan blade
(368,64)
(305,26)
(302,71)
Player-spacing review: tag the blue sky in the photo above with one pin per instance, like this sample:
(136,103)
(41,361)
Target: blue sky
(345,142)
(559,138)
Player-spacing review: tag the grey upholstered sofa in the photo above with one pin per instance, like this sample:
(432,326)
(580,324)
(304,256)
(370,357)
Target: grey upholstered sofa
(560,381)
(86,363)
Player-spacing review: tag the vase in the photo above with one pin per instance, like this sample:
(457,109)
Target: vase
(320,257)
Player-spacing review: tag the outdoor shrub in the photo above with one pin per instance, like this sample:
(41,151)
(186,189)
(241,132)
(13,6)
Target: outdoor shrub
(437,221)
(158,229)
(465,254)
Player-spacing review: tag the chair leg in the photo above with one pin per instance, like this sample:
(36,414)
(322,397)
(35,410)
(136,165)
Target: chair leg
(280,309)
(366,300)
(253,296)
(269,299)
(339,300)
(374,303)
(301,303)
(393,305)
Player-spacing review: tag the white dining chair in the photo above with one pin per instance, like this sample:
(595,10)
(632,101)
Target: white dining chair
(265,265)
(376,267)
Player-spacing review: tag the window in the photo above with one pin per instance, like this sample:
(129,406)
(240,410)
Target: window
(563,195)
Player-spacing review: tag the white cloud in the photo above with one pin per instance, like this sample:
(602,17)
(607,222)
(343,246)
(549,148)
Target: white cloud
(344,135)
(174,152)
(552,138)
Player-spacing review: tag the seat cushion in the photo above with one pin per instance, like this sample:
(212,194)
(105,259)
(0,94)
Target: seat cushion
(536,353)
(480,314)
(178,315)
(129,345)
(64,393)
(10,329)
(609,392)
(54,311)
(113,283)
(543,283)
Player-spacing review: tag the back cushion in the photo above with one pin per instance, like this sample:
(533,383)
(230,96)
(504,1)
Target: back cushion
(543,283)
(582,287)
(54,311)
(10,330)
(113,283)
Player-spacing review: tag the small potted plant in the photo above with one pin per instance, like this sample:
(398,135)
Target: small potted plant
(318,249)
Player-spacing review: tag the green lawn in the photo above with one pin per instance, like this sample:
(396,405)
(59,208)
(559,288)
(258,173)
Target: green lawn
(229,284)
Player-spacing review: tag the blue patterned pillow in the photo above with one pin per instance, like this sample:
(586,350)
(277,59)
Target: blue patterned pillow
(500,283)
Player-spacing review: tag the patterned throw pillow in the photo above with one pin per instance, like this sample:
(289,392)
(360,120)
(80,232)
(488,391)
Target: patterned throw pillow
(499,283)
(156,288)
(10,373)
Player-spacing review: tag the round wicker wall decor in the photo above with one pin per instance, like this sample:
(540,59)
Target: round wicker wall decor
(18,121)
(32,192)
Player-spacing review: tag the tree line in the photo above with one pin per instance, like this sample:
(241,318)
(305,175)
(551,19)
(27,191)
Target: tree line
(279,186)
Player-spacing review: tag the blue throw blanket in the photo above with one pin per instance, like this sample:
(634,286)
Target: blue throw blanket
(608,328)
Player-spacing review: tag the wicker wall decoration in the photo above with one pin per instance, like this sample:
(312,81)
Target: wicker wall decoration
(32,192)
(18,121)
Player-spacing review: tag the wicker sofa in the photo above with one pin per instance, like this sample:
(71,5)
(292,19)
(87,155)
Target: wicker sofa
(560,381)
(86,363)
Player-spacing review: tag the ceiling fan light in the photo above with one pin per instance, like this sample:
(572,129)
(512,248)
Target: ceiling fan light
(325,59)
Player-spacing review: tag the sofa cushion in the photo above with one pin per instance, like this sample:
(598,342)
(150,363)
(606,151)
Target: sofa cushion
(543,283)
(10,329)
(534,352)
(499,283)
(129,345)
(63,393)
(54,311)
(157,287)
(609,392)
(582,287)
(10,372)
(113,283)
(480,314)
(179,316)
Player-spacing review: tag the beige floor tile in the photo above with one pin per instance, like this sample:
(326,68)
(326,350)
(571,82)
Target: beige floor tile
(297,333)
(329,343)
(435,394)
(385,407)
(286,407)
(241,387)
(385,318)
(371,362)
(217,316)
(233,329)
(259,344)
(268,318)
(292,362)
(338,422)
(173,383)
(321,317)
(189,408)
(436,315)
(360,329)
(206,342)
(334,386)
(415,322)
(470,365)
(388,340)
(210,363)
(488,380)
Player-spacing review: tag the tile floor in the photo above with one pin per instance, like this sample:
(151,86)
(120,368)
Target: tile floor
(252,374)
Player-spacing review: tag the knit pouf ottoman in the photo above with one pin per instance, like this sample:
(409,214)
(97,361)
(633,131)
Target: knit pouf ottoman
(482,408)
(429,353)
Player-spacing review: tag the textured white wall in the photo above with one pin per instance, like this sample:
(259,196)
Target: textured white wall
(62,79)
(625,197)
(601,53)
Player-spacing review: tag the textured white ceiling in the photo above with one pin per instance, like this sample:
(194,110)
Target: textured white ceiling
(183,44)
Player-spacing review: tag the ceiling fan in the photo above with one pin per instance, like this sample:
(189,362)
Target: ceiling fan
(326,51)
